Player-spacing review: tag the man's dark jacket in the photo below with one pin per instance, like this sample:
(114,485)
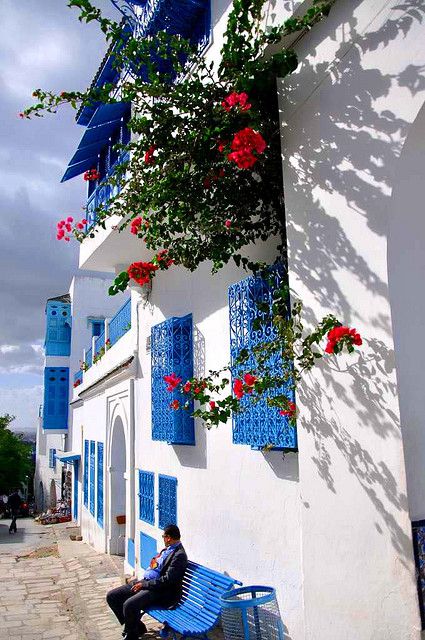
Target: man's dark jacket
(169,584)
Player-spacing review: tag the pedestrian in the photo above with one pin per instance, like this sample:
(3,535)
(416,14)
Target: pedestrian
(161,585)
(14,502)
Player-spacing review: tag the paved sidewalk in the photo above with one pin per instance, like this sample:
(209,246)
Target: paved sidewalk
(57,592)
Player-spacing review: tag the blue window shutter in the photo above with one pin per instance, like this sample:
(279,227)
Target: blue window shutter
(167,504)
(86,474)
(58,329)
(52,458)
(148,549)
(92,474)
(147,496)
(131,553)
(99,509)
(171,352)
(56,392)
(258,424)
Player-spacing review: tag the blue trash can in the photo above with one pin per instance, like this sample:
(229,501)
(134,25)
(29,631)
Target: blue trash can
(251,613)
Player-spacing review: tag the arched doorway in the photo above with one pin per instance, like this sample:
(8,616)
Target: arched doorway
(53,496)
(117,489)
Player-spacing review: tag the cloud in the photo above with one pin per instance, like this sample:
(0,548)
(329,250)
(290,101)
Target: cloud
(21,359)
(23,405)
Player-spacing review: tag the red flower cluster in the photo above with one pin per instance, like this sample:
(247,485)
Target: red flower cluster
(162,260)
(172,381)
(142,272)
(239,388)
(175,404)
(91,175)
(64,227)
(137,224)
(290,411)
(76,384)
(149,157)
(338,333)
(244,143)
(239,100)
(212,405)
(227,224)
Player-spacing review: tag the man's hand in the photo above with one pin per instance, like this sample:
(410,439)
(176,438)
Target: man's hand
(136,587)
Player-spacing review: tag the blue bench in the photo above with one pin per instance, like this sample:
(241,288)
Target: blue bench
(199,608)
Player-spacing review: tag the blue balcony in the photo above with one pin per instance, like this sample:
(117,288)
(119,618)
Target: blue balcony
(99,343)
(103,194)
(78,378)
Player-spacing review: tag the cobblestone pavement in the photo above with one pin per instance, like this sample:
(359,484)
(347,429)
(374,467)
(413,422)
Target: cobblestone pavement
(54,589)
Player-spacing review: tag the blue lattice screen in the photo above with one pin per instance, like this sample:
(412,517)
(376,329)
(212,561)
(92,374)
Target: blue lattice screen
(171,352)
(258,424)
(52,458)
(148,549)
(56,390)
(92,474)
(146,496)
(99,494)
(86,474)
(58,328)
(167,503)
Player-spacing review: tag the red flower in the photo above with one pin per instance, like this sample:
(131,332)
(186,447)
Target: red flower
(91,175)
(83,221)
(187,386)
(108,341)
(60,224)
(212,405)
(149,159)
(196,390)
(136,223)
(228,224)
(63,94)
(66,238)
(21,115)
(238,388)
(77,383)
(244,143)
(68,227)
(239,100)
(80,226)
(175,404)
(142,272)
(221,145)
(249,379)
(290,411)
(60,234)
(172,381)
(70,219)
(337,333)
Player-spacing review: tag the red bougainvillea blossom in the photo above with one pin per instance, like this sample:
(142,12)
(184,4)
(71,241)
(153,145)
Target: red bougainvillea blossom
(336,334)
(249,379)
(149,157)
(228,224)
(175,404)
(244,143)
(162,259)
(238,389)
(141,272)
(76,384)
(187,386)
(64,228)
(172,381)
(290,411)
(91,175)
(212,405)
(239,100)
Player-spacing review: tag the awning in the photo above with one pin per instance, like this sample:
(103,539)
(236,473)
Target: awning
(108,112)
(68,456)
(80,167)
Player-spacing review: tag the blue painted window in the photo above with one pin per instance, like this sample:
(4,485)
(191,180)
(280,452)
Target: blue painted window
(131,553)
(86,474)
(148,549)
(258,424)
(97,327)
(171,352)
(92,474)
(99,495)
(52,458)
(56,390)
(146,496)
(167,503)
(58,328)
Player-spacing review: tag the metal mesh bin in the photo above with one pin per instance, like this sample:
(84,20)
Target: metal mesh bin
(251,613)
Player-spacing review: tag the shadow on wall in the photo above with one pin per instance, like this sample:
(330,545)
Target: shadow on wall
(354,154)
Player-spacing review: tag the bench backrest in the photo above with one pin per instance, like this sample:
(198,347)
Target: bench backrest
(202,588)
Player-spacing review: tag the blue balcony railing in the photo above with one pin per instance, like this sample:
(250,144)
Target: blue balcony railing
(99,343)
(78,378)
(88,359)
(120,323)
(102,194)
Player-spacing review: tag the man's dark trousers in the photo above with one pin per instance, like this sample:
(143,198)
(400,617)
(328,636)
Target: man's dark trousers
(127,606)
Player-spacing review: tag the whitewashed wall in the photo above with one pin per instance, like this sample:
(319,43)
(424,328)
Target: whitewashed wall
(346,114)
(43,473)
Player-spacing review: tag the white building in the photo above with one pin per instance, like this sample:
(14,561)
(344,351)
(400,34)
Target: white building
(330,523)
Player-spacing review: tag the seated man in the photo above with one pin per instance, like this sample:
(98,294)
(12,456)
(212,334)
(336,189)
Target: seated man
(161,586)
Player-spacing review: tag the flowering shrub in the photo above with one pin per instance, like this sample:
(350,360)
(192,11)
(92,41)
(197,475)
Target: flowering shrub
(64,228)
(243,145)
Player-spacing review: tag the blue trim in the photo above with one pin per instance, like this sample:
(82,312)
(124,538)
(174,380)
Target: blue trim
(228,601)
(86,474)
(109,112)
(99,494)
(52,458)
(68,457)
(75,496)
(131,552)
(148,549)
(92,475)
(167,500)
(147,496)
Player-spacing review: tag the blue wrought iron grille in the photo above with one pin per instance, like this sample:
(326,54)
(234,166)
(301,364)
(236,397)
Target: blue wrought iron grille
(148,549)
(92,474)
(99,343)
(78,376)
(99,495)
(418,534)
(120,323)
(52,458)
(171,352)
(257,424)
(86,474)
(89,358)
(147,496)
(167,502)
(56,391)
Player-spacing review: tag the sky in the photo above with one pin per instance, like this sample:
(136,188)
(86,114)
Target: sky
(42,45)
